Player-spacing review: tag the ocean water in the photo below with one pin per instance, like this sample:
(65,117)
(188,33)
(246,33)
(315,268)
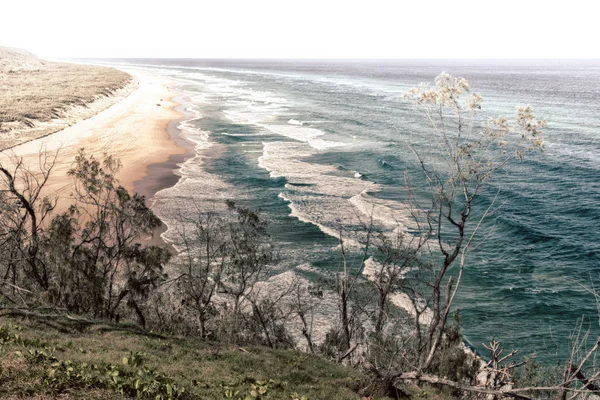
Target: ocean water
(314,144)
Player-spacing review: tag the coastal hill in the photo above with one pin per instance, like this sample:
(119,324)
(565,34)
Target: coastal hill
(38,97)
(12,59)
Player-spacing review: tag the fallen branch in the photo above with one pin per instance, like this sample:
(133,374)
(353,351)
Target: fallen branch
(346,354)
(55,315)
(587,383)
(435,380)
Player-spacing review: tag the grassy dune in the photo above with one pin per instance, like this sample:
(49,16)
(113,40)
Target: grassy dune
(46,93)
(35,95)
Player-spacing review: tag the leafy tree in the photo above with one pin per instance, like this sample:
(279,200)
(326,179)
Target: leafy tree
(106,263)
(88,259)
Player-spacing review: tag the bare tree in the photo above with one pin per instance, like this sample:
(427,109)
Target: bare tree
(347,279)
(462,156)
(24,216)
(304,301)
(202,261)
(396,256)
(248,254)
(271,311)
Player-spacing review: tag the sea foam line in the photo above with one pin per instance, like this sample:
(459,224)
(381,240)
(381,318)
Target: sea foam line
(294,212)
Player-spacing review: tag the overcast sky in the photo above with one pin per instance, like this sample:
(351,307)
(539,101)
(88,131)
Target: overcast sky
(302,29)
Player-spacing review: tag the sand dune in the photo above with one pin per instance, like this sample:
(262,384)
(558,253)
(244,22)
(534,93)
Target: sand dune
(134,130)
(38,98)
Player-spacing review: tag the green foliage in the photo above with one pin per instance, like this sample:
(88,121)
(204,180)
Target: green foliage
(259,390)
(134,359)
(88,259)
(139,381)
(532,373)
(296,396)
(6,336)
(142,382)
(84,362)
(452,361)
(332,345)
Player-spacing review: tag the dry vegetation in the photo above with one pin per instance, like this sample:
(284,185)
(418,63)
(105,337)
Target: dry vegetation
(35,94)
(45,93)
(12,59)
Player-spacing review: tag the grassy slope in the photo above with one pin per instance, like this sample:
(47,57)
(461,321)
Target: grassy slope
(46,93)
(205,370)
(38,98)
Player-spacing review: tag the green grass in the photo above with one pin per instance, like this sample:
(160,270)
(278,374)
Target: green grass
(36,354)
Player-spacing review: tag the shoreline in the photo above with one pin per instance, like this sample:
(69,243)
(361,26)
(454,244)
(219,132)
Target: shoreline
(161,175)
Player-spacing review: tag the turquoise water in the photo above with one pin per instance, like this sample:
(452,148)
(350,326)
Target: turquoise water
(311,142)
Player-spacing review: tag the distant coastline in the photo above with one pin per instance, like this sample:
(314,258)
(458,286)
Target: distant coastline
(39,98)
(137,125)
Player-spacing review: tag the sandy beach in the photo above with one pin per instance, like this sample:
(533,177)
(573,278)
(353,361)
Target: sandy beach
(137,130)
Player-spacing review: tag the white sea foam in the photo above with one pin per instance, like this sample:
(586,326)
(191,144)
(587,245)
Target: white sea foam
(238,134)
(323,310)
(392,215)
(401,300)
(304,134)
(302,215)
(260,108)
(237,71)
(197,190)
(322,195)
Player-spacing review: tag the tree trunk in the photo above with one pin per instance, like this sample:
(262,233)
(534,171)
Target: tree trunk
(345,320)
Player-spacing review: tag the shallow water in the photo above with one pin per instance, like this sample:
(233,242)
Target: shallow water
(313,143)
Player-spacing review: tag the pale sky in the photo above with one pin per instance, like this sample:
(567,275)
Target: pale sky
(302,29)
